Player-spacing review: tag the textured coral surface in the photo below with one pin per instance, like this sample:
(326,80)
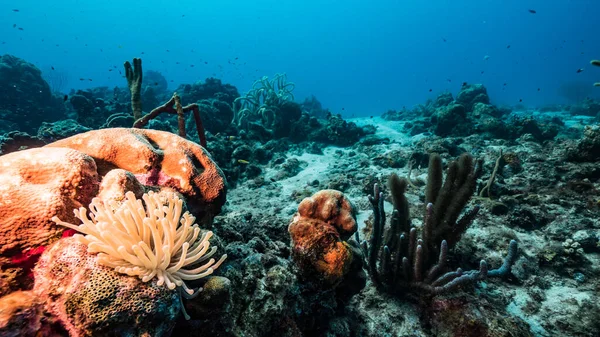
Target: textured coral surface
(156,158)
(36,185)
(318,232)
(90,299)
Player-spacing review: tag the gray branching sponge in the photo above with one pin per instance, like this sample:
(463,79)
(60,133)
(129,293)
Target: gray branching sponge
(401,262)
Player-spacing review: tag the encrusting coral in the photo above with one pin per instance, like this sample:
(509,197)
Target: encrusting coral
(86,298)
(147,242)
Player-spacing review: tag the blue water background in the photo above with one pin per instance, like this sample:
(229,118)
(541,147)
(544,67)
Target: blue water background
(357,57)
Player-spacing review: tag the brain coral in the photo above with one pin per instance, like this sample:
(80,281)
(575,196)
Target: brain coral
(93,300)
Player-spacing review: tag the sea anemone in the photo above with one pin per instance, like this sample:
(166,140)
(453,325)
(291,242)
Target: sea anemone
(147,242)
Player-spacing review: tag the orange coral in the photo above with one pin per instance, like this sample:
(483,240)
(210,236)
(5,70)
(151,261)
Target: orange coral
(36,185)
(157,158)
(318,232)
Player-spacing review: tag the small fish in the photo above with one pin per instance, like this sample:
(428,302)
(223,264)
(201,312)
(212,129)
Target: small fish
(191,65)
(430,90)
(579,70)
(20,28)
(521,100)
(539,89)
(486,57)
(65,98)
(14,25)
(508,47)
(82,79)
(207,63)
(242,161)
(532,11)
(464,84)
(52,67)
(444,39)
(231,138)
(89,79)
(15,10)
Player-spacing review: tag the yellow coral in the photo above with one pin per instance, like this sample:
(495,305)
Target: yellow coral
(147,242)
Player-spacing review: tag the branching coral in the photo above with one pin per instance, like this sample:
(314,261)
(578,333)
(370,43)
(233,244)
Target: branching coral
(147,242)
(401,262)
(262,101)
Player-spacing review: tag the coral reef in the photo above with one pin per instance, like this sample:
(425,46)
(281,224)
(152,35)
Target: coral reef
(431,273)
(25,97)
(68,174)
(471,113)
(314,108)
(586,149)
(211,88)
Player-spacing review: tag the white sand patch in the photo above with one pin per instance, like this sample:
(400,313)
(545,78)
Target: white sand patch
(387,129)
